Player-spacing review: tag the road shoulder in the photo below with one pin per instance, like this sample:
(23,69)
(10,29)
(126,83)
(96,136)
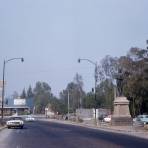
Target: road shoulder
(127,130)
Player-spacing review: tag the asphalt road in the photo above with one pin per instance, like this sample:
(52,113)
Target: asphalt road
(45,134)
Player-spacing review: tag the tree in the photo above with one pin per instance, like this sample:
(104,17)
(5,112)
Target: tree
(64,100)
(23,95)
(42,94)
(57,105)
(110,66)
(79,81)
(30,92)
(89,100)
(76,94)
(135,84)
(79,90)
(105,94)
(135,69)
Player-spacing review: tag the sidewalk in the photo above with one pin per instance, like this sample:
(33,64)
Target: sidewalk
(2,127)
(128,130)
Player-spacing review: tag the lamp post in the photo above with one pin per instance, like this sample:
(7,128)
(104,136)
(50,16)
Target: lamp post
(96,78)
(3,85)
(68,104)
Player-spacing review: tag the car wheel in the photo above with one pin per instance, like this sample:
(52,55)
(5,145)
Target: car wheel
(9,127)
(21,127)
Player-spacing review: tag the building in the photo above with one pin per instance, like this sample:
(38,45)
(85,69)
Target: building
(18,106)
(15,105)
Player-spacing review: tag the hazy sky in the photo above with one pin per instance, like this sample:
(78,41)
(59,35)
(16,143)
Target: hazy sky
(52,34)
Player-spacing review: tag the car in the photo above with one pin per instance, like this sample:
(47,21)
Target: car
(30,118)
(15,122)
(107,118)
(101,117)
(142,118)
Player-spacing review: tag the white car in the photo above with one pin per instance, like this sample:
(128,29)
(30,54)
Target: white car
(141,118)
(107,118)
(15,122)
(29,118)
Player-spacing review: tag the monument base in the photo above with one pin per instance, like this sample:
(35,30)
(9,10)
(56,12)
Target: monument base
(121,121)
(121,115)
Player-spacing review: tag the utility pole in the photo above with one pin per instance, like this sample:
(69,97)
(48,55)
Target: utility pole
(68,105)
(3,91)
(96,78)
(3,87)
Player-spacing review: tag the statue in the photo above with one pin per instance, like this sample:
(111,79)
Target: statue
(121,115)
(119,81)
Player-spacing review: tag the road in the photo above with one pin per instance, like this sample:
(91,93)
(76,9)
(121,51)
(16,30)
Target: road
(45,134)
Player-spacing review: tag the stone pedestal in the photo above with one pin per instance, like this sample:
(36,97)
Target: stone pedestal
(121,115)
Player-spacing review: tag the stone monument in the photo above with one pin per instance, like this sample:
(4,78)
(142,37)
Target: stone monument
(121,115)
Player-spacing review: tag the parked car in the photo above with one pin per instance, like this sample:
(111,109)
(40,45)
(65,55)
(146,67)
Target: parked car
(101,117)
(30,118)
(107,118)
(15,122)
(142,118)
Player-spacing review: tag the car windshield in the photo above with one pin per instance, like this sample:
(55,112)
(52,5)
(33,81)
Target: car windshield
(15,118)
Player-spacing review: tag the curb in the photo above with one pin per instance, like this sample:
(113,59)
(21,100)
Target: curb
(2,127)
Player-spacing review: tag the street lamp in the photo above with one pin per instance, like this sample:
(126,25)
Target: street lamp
(3,87)
(96,78)
(68,103)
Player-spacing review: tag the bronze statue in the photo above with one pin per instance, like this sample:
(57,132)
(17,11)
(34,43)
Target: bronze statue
(119,81)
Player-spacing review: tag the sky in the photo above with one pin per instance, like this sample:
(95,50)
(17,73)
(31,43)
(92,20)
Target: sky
(52,34)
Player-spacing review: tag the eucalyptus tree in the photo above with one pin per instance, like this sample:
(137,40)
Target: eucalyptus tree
(42,94)
(135,84)
(105,94)
(76,93)
(135,69)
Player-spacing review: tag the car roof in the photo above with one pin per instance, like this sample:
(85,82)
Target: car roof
(15,117)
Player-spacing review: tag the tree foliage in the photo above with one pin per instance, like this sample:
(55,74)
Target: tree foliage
(135,69)
(105,94)
(89,100)
(135,87)
(30,92)
(23,95)
(58,106)
(135,76)
(76,94)
(42,94)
